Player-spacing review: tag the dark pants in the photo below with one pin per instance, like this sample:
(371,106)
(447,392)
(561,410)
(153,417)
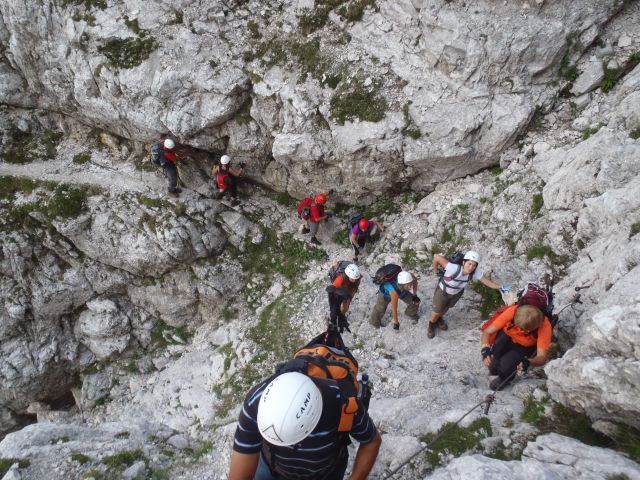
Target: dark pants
(360,245)
(172,175)
(336,317)
(507,355)
(264,473)
(231,186)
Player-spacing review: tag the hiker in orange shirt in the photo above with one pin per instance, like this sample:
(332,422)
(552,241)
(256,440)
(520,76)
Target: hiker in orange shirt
(517,338)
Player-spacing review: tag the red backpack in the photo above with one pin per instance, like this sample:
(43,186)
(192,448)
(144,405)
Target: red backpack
(304,208)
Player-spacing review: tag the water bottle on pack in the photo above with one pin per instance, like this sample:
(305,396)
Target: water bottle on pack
(364,395)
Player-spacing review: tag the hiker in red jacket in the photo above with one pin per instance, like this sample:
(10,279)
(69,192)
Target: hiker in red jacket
(316,215)
(226,178)
(169,165)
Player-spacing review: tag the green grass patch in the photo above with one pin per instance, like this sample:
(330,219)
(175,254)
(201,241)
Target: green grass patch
(355,101)
(80,458)
(163,334)
(541,251)
(81,158)
(512,244)
(150,202)
(5,464)
(455,440)
(354,10)
(273,347)
(243,115)
(587,132)
(128,52)
(491,299)
(125,458)
(410,129)
(533,411)
(199,451)
(229,313)
(635,134)
(68,201)
(341,237)
(88,4)
(580,244)
(537,203)
(496,171)
(409,259)
(634,229)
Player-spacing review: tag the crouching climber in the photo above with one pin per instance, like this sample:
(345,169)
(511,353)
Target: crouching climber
(227,178)
(518,337)
(395,284)
(360,232)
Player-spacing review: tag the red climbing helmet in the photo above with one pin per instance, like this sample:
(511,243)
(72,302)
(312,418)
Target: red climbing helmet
(321,198)
(363,224)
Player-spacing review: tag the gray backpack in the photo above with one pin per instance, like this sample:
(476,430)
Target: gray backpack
(157,155)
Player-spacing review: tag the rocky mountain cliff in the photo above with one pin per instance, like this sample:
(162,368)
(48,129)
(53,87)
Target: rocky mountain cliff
(132,324)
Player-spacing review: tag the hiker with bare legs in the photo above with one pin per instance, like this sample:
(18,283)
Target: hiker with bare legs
(395,284)
(456,275)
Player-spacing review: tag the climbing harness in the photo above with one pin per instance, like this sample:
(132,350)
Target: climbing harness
(488,400)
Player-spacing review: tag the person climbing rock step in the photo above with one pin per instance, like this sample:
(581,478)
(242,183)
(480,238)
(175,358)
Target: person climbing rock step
(450,288)
(402,287)
(226,178)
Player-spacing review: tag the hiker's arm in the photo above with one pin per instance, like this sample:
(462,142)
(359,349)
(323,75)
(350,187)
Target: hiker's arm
(354,239)
(539,359)
(439,260)
(243,466)
(235,173)
(394,306)
(379,225)
(414,285)
(489,283)
(344,308)
(365,458)
(484,342)
(214,170)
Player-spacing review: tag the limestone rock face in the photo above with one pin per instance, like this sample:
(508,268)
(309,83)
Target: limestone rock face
(238,76)
(606,355)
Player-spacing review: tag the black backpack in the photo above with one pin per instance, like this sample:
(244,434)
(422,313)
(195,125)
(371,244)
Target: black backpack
(387,273)
(336,269)
(457,258)
(157,154)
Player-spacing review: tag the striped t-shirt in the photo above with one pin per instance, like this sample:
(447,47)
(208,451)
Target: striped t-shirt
(316,455)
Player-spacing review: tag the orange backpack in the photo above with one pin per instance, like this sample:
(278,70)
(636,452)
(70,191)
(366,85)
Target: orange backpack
(326,356)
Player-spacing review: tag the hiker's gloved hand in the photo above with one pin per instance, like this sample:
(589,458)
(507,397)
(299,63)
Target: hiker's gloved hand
(506,288)
(415,299)
(485,352)
(525,364)
(343,325)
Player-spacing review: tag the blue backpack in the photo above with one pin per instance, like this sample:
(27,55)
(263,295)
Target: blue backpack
(157,155)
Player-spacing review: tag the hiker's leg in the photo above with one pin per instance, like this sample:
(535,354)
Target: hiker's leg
(510,359)
(378,311)
(232,186)
(313,227)
(172,176)
(438,305)
(412,308)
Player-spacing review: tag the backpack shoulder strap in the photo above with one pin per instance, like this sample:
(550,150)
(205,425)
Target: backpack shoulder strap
(455,275)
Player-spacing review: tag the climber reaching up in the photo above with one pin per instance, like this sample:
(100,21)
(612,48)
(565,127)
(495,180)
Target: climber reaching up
(163,153)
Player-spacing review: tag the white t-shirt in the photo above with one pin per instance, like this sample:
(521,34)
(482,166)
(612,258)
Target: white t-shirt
(457,284)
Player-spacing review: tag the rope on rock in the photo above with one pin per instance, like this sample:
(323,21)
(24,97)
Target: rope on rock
(488,400)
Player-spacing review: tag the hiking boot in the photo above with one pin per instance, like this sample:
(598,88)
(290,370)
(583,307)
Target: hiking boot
(355,259)
(442,324)
(174,194)
(178,190)
(305,230)
(431,330)
(414,319)
(315,241)
(496,383)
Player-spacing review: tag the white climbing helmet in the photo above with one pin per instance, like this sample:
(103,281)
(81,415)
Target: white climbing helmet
(289,409)
(225,159)
(471,255)
(352,271)
(404,278)
(169,144)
